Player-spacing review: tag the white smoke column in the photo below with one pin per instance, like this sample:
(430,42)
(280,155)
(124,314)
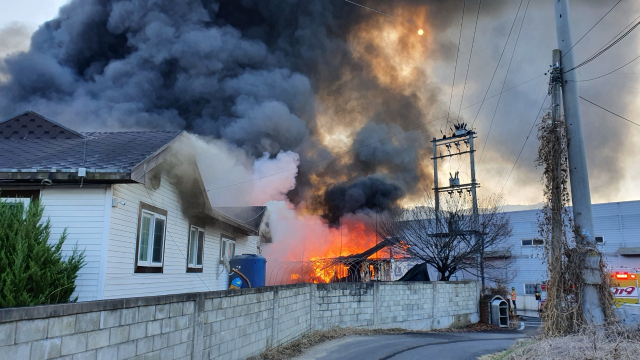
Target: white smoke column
(233,178)
(273,178)
(292,233)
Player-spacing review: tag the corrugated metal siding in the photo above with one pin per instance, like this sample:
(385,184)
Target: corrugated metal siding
(81,212)
(619,223)
(121,281)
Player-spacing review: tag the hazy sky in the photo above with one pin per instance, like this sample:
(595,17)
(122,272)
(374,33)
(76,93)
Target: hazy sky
(29,12)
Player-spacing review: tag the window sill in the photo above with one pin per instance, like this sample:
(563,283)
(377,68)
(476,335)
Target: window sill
(148,269)
(194,270)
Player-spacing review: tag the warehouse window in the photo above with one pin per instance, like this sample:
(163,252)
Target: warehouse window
(532,242)
(195,249)
(529,289)
(151,234)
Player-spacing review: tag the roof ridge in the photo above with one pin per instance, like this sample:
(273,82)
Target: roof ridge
(44,118)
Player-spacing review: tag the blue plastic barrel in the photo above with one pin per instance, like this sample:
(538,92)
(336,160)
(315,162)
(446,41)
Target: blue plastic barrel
(252,266)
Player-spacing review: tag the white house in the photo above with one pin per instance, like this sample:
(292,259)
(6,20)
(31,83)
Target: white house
(132,200)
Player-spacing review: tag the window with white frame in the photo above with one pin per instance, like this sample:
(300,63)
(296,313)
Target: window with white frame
(529,289)
(196,248)
(23,197)
(227,247)
(532,242)
(599,239)
(151,238)
(14,201)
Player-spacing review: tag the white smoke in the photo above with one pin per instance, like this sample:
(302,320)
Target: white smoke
(233,178)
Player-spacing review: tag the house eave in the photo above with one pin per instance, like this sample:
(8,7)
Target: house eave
(64,175)
(219,216)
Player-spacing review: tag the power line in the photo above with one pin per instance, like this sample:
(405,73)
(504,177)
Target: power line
(596,24)
(609,111)
(621,31)
(498,64)
(382,13)
(515,145)
(515,47)
(331,157)
(609,73)
(596,55)
(455,69)
(535,121)
(473,41)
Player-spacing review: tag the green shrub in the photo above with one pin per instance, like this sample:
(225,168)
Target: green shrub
(32,271)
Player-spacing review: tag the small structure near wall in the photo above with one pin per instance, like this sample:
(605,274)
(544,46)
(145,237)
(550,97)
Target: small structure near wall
(494,310)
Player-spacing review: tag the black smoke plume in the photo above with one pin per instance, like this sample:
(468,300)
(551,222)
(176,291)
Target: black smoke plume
(256,73)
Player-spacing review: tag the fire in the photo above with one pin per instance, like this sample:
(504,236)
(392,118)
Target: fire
(322,255)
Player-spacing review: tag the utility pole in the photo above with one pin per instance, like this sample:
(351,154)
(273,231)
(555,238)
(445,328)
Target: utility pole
(580,193)
(476,216)
(460,136)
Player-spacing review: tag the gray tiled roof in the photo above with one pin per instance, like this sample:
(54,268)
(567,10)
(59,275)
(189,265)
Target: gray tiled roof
(31,125)
(112,151)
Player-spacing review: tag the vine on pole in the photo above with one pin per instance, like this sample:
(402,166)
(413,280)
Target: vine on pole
(564,246)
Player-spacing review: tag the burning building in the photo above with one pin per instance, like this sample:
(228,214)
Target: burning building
(293,99)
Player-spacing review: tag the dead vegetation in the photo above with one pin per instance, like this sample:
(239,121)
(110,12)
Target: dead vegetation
(615,342)
(565,248)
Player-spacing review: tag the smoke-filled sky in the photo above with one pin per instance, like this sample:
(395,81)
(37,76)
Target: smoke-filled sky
(323,77)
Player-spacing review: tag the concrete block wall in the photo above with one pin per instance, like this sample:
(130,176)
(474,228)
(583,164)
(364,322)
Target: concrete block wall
(291,313)
(237,324)
(232,324)
(410,307)
(344,305)
(125,329)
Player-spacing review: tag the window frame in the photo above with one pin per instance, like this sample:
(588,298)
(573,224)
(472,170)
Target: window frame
(596,241)
(150,266)
(533,242)
(7,194)
(534,288)
(26,197)
(195,268)
(227,239)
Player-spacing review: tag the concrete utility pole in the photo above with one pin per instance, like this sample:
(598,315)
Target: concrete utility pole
(580,193)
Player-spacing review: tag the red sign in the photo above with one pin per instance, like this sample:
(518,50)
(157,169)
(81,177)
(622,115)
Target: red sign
(543,287)
(625,292)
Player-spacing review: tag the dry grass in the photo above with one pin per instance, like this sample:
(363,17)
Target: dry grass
(613,343)
(297,347)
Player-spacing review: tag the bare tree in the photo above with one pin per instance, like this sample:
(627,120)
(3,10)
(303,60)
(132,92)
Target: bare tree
(448,239)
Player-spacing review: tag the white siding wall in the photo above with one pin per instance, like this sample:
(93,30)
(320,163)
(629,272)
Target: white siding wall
(121,281)
(82,212)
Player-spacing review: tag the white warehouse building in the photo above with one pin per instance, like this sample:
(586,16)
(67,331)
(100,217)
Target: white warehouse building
(617,232)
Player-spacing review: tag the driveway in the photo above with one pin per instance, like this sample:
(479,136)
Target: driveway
(436,346)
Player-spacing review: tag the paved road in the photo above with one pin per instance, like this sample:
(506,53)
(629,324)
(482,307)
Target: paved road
(436,346)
